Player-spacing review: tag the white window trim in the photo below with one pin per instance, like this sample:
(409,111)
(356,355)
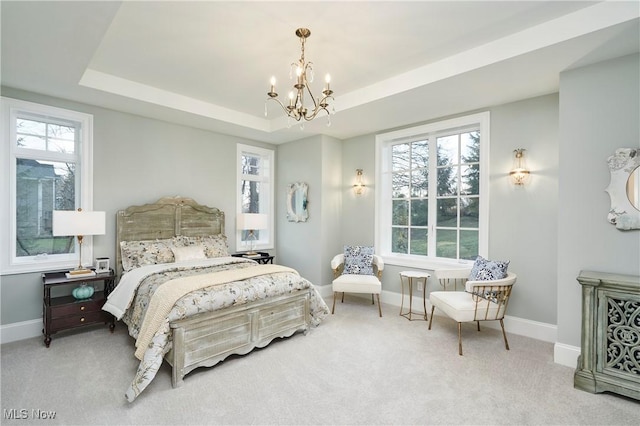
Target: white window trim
(267,240)
(383,192)
(9,263)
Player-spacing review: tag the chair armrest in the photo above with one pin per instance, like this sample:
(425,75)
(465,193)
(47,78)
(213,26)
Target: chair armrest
(509,280)
(377,260)
(337,260)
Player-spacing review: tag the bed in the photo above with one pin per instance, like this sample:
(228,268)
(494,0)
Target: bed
(187,301)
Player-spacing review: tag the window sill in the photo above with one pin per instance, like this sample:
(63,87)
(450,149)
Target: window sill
(419,262)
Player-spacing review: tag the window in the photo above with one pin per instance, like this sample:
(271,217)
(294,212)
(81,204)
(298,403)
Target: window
(46,163)
(432,201)
(255,193)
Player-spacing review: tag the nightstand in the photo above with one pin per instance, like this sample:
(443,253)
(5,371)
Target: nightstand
(262,257)
(66,312)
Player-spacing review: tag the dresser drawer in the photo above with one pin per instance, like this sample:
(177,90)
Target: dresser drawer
(64,323)
(81,307)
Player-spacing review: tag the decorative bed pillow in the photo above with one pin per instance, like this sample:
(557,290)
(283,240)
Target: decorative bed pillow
(358,260)
(487,270)
(146,252)
(188,253)
(214,245)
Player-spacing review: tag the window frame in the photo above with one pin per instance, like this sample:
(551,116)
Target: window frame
(383,195)
(11,109)
(266,238)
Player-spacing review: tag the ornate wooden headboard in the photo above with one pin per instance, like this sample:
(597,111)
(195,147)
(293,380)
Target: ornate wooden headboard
(166,218)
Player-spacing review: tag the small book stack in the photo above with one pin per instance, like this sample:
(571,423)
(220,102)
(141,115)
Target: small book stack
(80,274)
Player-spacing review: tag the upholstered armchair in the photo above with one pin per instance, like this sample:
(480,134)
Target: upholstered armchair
(481,301)
(362,281)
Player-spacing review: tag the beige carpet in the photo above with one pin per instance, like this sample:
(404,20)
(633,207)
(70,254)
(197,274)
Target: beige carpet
(355,368)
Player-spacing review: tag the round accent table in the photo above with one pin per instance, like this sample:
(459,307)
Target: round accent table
(412,277)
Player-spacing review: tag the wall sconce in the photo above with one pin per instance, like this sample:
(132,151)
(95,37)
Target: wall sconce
(358,187)
(519,173)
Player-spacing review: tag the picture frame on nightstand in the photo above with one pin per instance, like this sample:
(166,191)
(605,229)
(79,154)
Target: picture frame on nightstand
(102,265)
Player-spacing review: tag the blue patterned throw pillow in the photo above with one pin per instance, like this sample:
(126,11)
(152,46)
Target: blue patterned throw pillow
(487,270)
(358,260)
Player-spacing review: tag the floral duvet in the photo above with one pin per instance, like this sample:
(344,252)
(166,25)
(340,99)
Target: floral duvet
(205,300)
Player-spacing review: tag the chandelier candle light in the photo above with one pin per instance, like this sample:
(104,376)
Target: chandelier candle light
(296,108)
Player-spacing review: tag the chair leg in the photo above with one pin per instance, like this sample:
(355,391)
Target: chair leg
(460,338)
(333,309)
(372,301)
(343,297)
(379,305)
(506,343)
(478,322)
(433,308)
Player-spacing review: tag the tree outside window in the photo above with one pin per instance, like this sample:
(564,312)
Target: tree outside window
(430,201)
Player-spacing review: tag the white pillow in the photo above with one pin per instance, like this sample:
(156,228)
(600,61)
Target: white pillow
(188,253)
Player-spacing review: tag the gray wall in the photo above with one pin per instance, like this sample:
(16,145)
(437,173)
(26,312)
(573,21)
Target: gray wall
(308,246)
(523,221)
(599,110)
(137,160)
(550,229)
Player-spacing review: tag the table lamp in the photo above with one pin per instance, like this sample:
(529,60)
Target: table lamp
(252,222)
(78,223)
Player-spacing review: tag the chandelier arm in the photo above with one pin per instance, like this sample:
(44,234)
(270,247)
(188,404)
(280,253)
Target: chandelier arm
(313,99)
(293,113)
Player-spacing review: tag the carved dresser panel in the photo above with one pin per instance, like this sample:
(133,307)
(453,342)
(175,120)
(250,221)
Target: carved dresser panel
(610,350)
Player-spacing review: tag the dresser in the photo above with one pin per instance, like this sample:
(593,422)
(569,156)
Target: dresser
(610,349)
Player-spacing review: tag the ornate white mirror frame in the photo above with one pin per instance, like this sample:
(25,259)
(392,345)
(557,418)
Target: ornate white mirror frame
(297,202)
(623,190)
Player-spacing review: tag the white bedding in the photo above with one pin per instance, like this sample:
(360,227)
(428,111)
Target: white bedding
(121,297)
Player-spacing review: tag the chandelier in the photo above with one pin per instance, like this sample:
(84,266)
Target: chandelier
(303,70)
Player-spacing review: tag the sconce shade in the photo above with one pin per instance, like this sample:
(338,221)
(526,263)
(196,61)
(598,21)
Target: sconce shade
(252,221)
(358,187)
(519,174)
(78,222)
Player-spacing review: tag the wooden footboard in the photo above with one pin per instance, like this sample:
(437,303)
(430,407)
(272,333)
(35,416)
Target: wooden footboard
(206,339)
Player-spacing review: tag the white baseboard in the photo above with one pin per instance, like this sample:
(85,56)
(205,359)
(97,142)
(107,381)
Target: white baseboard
(562,354)
(528,328)
(566,355)
(20,330)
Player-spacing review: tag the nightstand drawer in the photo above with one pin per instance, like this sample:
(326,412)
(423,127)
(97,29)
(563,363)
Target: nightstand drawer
(64,323)
(77,308)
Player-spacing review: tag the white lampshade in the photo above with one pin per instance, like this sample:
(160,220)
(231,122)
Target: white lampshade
(252,221)
(74,222)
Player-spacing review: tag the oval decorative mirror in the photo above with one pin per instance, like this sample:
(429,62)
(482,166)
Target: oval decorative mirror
(624,189)
(297,202)
(633,188)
